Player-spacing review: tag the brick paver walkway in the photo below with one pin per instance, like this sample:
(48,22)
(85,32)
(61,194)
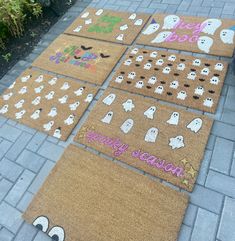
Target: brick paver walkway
(27,156)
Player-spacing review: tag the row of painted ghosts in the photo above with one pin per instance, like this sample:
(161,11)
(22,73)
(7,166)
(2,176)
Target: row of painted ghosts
(151,135)
(124,27)
(204,43)
(53,112)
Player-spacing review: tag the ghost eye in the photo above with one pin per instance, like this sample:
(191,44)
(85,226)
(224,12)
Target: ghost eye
(57,234)
(42,223)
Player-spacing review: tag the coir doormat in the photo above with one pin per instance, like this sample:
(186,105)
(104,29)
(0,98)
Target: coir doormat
(120,27)
(89,198)
(194,34)
(81,58)
(164,141)
(47,103)
(182,79)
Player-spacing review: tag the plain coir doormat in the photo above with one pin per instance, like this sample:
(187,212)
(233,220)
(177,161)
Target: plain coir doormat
(120,27)
(164,141)
(89,198)
(182,79)
(81,58)
(194,34)
(47,103)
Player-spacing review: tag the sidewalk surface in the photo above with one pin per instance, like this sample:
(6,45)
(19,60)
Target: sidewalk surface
(27,156)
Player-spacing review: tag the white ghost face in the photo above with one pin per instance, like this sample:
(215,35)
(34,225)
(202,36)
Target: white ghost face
(211,25)
(57,133)
(132,16)
(74,106)
(70,120)
(191,76)
(181,66)
(39,89)
(161,37)
(205,71)
(12,85)
(63,99)
(152,80)
(172,58)
(149,113)
(148,66)
(99,12)
(89,98)
(85,15)
(19,104)
(123,27)
(128,62)
(227,36)
(204,43)
(139,58)
(176,142)
(39,79)
(23,90)
(36,114)
(182,95)
(151,135)
(160,62)
(120,37)
(65,86)
(131,75)
(127,125)
(50,95)
(79,91)
(88,21)
(7,96)
(195,125)
(48,126)
(152,28)
(138,22)
(154,54)
(20,114)
(77,29)
(108,117)
(199,90)
(219,66)
(208,102)
(139,84)
(174,84)
(52,81)
(25,78)
(128,105)
(108,100)
(166,70)
(119,79)
(170,21)
(174,119)
(36,101)
(4,109)
(197,62)
(134,51)
(53,112)
(159,90)
(214,80)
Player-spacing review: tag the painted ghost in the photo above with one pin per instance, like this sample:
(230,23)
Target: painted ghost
(161,37)
(176,142)
(108,100)
(195,125)
(151,135)
(227,36)
(108,117)
(127,125)
(149,113)
(174,119)
(204,43)
(152,28)
(128,105)
(211,25)
(170,21)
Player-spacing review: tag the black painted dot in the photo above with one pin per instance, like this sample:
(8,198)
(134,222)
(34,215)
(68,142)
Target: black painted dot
(128,82)
(207,65)
(183,60)
(195,97)
(202,80)
(163,55)
(122,72)
(217,75)
(169,64)
(169,93)
(186,85)
(142,77)
(163,82)
(156,69)
(131,57)
(176,74)
(150,60)
(148,87)
(137,65)
(211,91)
(145,52)
(55,237)
(193,70)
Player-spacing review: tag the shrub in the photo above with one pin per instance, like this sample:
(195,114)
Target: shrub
(13,14)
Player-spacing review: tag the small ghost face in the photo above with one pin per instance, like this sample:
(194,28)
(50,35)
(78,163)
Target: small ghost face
(174,84)
(128,105)
(151,135)
(160,62)
(108,117)
(195,125)
(108,100)
(149,113)
(182,95)
(139,84)
(159,90)
(127,125)
(176,142)
(148,66)
(208,102)
(181,66)
(138,22)
(119,79)
(192,76)
(174,118)
(139,58)
(131,75)
(152,80)
(205,71)
(128,62)
(199,90)
(214,80)
(172,58)
(197,62)
(153,54)
(120,37)
(134,51)
(219,66)
(166,70)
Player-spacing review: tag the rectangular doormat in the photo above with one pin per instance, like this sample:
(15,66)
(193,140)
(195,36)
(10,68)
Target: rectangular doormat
(194,34)
(164,141)
(119,27)
(81,58)
(182,79)
(89,198)
(47,103)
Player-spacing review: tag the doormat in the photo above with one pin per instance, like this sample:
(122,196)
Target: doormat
(81,58)
(194,34)
(164,141)
(103,24)
(103,201)
(47,103)
(182,79)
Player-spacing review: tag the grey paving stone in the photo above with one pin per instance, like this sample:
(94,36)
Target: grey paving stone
(25,201)
(190,215)
(10,170)
(233,167)
(9,132)
(222,155)
(185,233)
(228,116)
(221,183)
(223,130)
(230,100)
(5,186)
(26,128)
(226,229)
(42,237)
(211,142)
(20,187)
(18,146)
(50,151)
(205,226)
(207,199)
(201,179)
(38,181)
(30,160)
(10,217)
(2,120)
(26,233)
(4,147)
(6,235)
(36,141)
